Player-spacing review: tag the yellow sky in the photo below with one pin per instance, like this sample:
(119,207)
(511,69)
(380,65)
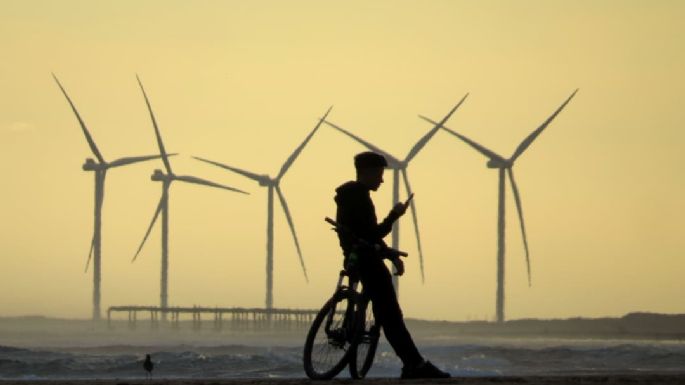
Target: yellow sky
(243,82)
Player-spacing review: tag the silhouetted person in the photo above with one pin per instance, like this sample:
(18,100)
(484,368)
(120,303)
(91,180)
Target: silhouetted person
(357,213)
(148,366)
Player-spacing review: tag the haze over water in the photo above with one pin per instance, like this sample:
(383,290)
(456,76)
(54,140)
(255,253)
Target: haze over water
(243,83)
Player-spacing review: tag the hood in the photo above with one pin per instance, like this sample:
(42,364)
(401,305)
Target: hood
(351,189)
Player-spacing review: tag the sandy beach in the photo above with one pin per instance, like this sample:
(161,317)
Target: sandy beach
(637,379)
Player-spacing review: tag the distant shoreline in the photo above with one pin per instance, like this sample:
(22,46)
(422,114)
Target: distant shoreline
(633,326)
(651,326)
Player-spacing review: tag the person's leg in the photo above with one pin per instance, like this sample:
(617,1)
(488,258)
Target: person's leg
(378,286)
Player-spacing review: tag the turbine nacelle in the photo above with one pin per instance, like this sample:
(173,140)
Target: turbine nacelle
(266,181)
(159,176)
(92,165)
(395,164)
(499,163)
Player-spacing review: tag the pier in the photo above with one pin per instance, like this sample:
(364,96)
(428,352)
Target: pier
(216,318)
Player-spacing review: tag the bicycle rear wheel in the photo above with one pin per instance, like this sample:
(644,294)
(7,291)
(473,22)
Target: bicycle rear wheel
(365,344)
(328,343)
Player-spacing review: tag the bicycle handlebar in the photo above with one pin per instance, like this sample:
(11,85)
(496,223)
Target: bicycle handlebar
(339,227)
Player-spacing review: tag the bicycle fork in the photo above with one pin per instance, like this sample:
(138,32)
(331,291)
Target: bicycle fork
(343,333)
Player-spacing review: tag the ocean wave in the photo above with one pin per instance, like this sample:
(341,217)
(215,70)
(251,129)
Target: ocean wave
(244,361)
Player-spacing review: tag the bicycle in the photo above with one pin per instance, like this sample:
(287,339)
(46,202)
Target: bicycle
(344,331)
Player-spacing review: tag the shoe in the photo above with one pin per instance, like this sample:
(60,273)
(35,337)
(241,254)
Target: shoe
(423,370)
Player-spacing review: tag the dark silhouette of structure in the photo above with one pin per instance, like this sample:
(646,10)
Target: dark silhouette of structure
(505,166)
(274,184)
(216,318)
(99,168)
(163,206)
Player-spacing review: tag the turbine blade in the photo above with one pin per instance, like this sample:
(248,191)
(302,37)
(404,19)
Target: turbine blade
(284,204)
(416,222)
(91,142)
(134,159)
(422,142)
(244,173)
(478,147)
(363,142)
(519,208)
(196,180)
(162,152)
(299,149)
(90,253)
(152,223)
(530,138)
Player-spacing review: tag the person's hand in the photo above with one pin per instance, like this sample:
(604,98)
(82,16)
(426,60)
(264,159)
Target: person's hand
(399,266)
(399,209)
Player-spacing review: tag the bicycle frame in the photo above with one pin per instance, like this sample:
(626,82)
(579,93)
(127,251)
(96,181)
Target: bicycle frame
(348,320)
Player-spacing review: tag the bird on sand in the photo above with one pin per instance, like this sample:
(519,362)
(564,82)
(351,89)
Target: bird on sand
(148,366)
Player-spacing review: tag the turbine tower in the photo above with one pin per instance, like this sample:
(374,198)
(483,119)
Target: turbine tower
(99,167)
(274,184)
(163,206)
(400,167)
(505,166)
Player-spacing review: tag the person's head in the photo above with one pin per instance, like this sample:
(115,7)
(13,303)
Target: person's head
(370,167)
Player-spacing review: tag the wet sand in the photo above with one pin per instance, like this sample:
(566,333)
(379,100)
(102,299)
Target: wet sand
(622,379)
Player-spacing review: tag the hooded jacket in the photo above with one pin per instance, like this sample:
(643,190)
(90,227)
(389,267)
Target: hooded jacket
(356,212)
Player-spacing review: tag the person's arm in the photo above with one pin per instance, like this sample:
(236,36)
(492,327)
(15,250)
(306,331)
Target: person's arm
(385,227)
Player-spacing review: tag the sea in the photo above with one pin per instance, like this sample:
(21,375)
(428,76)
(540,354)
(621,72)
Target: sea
(283,358)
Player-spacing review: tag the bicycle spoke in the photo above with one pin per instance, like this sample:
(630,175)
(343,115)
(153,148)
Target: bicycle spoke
(328,341)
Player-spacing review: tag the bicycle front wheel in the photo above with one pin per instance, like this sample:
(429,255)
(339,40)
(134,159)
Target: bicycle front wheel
(328,344)
(365,344)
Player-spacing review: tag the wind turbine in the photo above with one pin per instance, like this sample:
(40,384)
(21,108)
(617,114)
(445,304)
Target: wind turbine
(99,168)
(400,166)
(163,206)
(274,184)
(505,166)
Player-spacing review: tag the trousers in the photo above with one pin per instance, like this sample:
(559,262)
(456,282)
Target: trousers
(377,283)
